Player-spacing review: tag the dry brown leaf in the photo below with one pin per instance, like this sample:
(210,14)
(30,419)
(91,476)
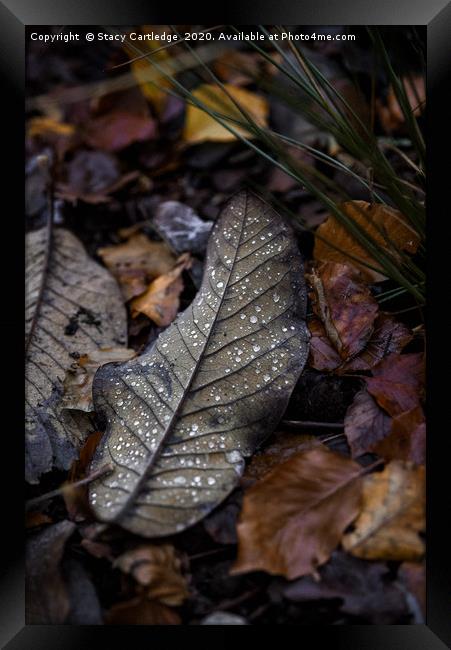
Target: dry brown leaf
(137,262)
(78,380)
(42,126)
(157,568)
(295,516)
(323,356)
(140,611)
(372,217)
(200,126)
(345,306)
(393,515)
(161,301)
(397,382)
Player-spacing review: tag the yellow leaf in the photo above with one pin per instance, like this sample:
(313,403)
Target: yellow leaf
(200,126)
(386,227)
(47,125)
(154,92)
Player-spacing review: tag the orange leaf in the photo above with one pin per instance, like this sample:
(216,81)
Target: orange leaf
(161,301)
(385,226)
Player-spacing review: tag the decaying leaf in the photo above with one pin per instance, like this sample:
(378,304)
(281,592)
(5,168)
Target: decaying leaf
(365,424)
(181,417)
(181,228)
(47,596)
(73,307)
(118,129)
(393,515)
(79,377)
(294,517)
(157,568)
(161,301)
(345,306)
(200,126)
(397,382)
(386,227)
(137,262)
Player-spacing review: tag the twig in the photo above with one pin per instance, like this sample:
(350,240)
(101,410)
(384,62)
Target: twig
(306,424)
(106,469)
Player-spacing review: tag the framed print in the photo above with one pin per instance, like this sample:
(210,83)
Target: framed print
(232,357)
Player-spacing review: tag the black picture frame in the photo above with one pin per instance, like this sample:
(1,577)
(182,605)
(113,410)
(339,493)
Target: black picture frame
(15,15)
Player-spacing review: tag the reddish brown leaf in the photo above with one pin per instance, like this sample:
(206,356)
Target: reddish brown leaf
(118,129)
(407,438)
(33,519)
(345,306)
(388,336)
(397,382)
(140,611)
(294,517)
(365,424)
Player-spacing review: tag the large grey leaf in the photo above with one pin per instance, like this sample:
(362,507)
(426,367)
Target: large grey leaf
(181,417)
(73,306)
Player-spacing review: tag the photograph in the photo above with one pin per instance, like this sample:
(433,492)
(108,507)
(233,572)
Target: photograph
(225,329)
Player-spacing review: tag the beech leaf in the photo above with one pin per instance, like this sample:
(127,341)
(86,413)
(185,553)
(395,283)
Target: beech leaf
(73,307)
(294,517)
(213,386)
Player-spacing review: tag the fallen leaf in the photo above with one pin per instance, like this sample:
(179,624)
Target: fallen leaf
(118,129)
(391,114)
(34,518)
(155,91)
(85,608)
(388,336)
(79,377)
(397,382)
(323,356)
(181,228)
(365,424)
(407,438)
(223,618)
(212,386)
(392,516)
(385,226)
(161,301)
(140,611)
(43,126)
(239,68)
(363,587)
(47,598)
(200,126)
(294,517)
(137,262)
(157,568)
(221,523)
(73,307)
(344,305)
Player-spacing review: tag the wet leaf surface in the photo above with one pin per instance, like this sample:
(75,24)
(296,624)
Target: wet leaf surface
(60,328)
(294,517)
(181,417)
